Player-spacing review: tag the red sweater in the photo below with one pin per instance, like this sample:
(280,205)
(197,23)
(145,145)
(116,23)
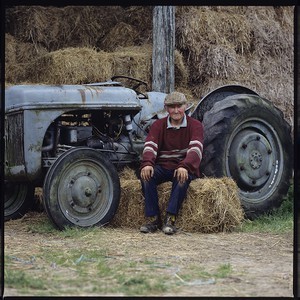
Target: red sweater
(173,148)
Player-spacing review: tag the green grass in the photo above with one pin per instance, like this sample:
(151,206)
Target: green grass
(42,227)
(46,227)
(279,220)
(70,268)
(200,273)
(105,276)
(21,280)
(223,271)
(141,284)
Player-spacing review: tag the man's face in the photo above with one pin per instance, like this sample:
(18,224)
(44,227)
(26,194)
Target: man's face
(176,112)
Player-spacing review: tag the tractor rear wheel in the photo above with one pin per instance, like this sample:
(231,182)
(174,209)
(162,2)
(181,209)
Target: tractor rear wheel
(247,139)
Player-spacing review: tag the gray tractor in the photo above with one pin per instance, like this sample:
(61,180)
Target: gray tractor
(72,140)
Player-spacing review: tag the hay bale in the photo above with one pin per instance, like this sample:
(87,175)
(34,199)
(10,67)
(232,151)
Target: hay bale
(270,36)
(199,27)
(212,205)
(85,65)
(35,24)
(70,66)
(121,35)
(181,71)
(17,56)
(62,27)
(141,18)
(212,41)
(134,61)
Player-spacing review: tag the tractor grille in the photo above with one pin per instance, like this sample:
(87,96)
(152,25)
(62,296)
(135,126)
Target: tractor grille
(14,129)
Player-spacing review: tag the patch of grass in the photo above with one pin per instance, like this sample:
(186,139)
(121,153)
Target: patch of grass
(45,226)
(103,269)
(150,263)
(42,227)
(141,284)
(77,232)
(64,273)
(21,280)
(223,271)
(278,220)
(72,257)
(199,273)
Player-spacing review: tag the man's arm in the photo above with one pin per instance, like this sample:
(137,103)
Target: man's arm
(195,149)
(150,152)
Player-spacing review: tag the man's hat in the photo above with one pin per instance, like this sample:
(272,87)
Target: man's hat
(175,98)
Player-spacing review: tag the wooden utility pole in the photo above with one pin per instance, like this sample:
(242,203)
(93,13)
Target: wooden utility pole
(163,75)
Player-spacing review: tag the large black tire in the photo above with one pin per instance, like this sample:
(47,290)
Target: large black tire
(81,188)
(246,138)
(18,200)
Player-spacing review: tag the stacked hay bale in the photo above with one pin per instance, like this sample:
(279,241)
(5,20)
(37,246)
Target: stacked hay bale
(18,56)
(212,204)
(61,27)
(85,65)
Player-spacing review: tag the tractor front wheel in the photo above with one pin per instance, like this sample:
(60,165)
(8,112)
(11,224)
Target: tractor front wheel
(81,188)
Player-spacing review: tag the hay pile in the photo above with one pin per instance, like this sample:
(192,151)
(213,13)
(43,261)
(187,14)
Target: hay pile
(250,46)
(212,205)
(215,45)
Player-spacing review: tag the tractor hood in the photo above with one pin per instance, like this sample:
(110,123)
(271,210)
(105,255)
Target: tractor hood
(28,97)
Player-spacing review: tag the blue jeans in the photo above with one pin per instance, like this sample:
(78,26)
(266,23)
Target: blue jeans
(178,192)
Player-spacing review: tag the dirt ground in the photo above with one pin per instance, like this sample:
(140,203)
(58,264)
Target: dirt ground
(262,264)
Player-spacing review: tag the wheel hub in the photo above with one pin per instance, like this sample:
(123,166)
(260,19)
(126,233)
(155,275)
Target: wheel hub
(250,159)
(83,192)
(255,159)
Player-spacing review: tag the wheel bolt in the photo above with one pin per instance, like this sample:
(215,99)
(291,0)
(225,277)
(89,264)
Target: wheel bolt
(242,168)
(269,151)
(258,138)
(254,181)
(244,146)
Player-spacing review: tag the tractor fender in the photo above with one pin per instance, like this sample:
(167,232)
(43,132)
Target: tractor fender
(208,101)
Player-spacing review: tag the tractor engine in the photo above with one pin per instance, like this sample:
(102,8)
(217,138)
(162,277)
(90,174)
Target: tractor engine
(109,132)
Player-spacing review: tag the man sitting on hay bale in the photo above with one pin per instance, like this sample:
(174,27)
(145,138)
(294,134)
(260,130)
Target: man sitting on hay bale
(172,152)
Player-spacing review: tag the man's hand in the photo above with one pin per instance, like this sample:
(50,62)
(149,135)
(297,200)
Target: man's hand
(147,172)
(181,174)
